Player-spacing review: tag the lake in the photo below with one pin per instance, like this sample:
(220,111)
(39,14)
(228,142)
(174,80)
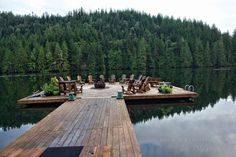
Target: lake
(206,127)
(203,128)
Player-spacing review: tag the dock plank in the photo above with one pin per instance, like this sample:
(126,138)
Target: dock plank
(101,125)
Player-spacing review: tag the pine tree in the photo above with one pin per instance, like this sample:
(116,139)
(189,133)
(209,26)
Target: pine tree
(207,57)
(185,57)
(198,53)
(48,57)
(41,62)
(141,54)
(219,54)
(58,55)
(64,49)
(233,52)
(7,62)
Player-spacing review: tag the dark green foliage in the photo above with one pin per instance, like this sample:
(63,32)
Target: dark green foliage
(51,88)
(165,88)
(101,41)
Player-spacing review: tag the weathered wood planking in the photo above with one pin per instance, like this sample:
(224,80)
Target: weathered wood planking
(111,91)
(177,93)
(101,125)
(42,100)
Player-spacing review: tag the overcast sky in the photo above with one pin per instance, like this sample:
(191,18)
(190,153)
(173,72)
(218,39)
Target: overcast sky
(222,13)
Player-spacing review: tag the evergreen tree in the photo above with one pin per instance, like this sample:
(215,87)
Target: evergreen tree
(219,54)
(65,56)
(41,61)
(58,57)
(198,54)
(185,57)
(7,62)
(207,54)
(233,52)
(48,57)
(141,54)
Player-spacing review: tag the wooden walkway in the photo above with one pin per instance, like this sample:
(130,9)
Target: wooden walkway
(101,125)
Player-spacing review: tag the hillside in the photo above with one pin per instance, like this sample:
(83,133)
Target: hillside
(101,41)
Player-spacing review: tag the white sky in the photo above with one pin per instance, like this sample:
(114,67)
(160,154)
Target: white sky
(222,13)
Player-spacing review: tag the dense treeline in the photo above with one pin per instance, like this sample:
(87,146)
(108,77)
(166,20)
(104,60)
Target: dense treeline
(101,41)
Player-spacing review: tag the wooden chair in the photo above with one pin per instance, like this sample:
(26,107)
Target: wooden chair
(154,81)
(102,78)
(79,80)
(90,79)
(123,79)
(139,80)
(113,79)
(61,78)
(130,89)
(68,78)
(79,88)
(143,86)
(131,77)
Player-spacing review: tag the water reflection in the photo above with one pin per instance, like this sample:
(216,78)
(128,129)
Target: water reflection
(15,119)
(210,132)
(204,128)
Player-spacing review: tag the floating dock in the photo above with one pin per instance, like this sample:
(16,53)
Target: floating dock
(101,126)
(111,91)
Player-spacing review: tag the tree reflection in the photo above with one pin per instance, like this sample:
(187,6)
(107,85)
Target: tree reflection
(211,84)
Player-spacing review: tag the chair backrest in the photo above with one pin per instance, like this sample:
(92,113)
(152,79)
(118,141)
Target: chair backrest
(61,78)
(102,77)
(113,77)
(123,76)
(79,78)
(131,77)
(146,80)
(90,78)
(140,77)
(68,78)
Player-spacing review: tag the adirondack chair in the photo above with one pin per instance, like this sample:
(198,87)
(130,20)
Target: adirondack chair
(113,79)
(139,80)
(102,78)
(130,89)
(61,78)
(154,81)
(90,79)
(144,86)
(123,79)
(68,78)
(131,77)
(79,80)
(80,88)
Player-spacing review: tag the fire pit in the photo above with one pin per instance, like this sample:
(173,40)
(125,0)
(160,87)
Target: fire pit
(99,84)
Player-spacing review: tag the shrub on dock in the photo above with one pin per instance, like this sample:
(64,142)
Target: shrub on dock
(165,88)
(51,88)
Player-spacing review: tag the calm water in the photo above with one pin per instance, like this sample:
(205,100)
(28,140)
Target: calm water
(204,128)
(14,119)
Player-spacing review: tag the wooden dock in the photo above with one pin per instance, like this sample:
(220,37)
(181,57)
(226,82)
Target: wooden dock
(43,100)
(111,91)
(177,93)
(101,125)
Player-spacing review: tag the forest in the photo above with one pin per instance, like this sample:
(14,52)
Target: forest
(102,41)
